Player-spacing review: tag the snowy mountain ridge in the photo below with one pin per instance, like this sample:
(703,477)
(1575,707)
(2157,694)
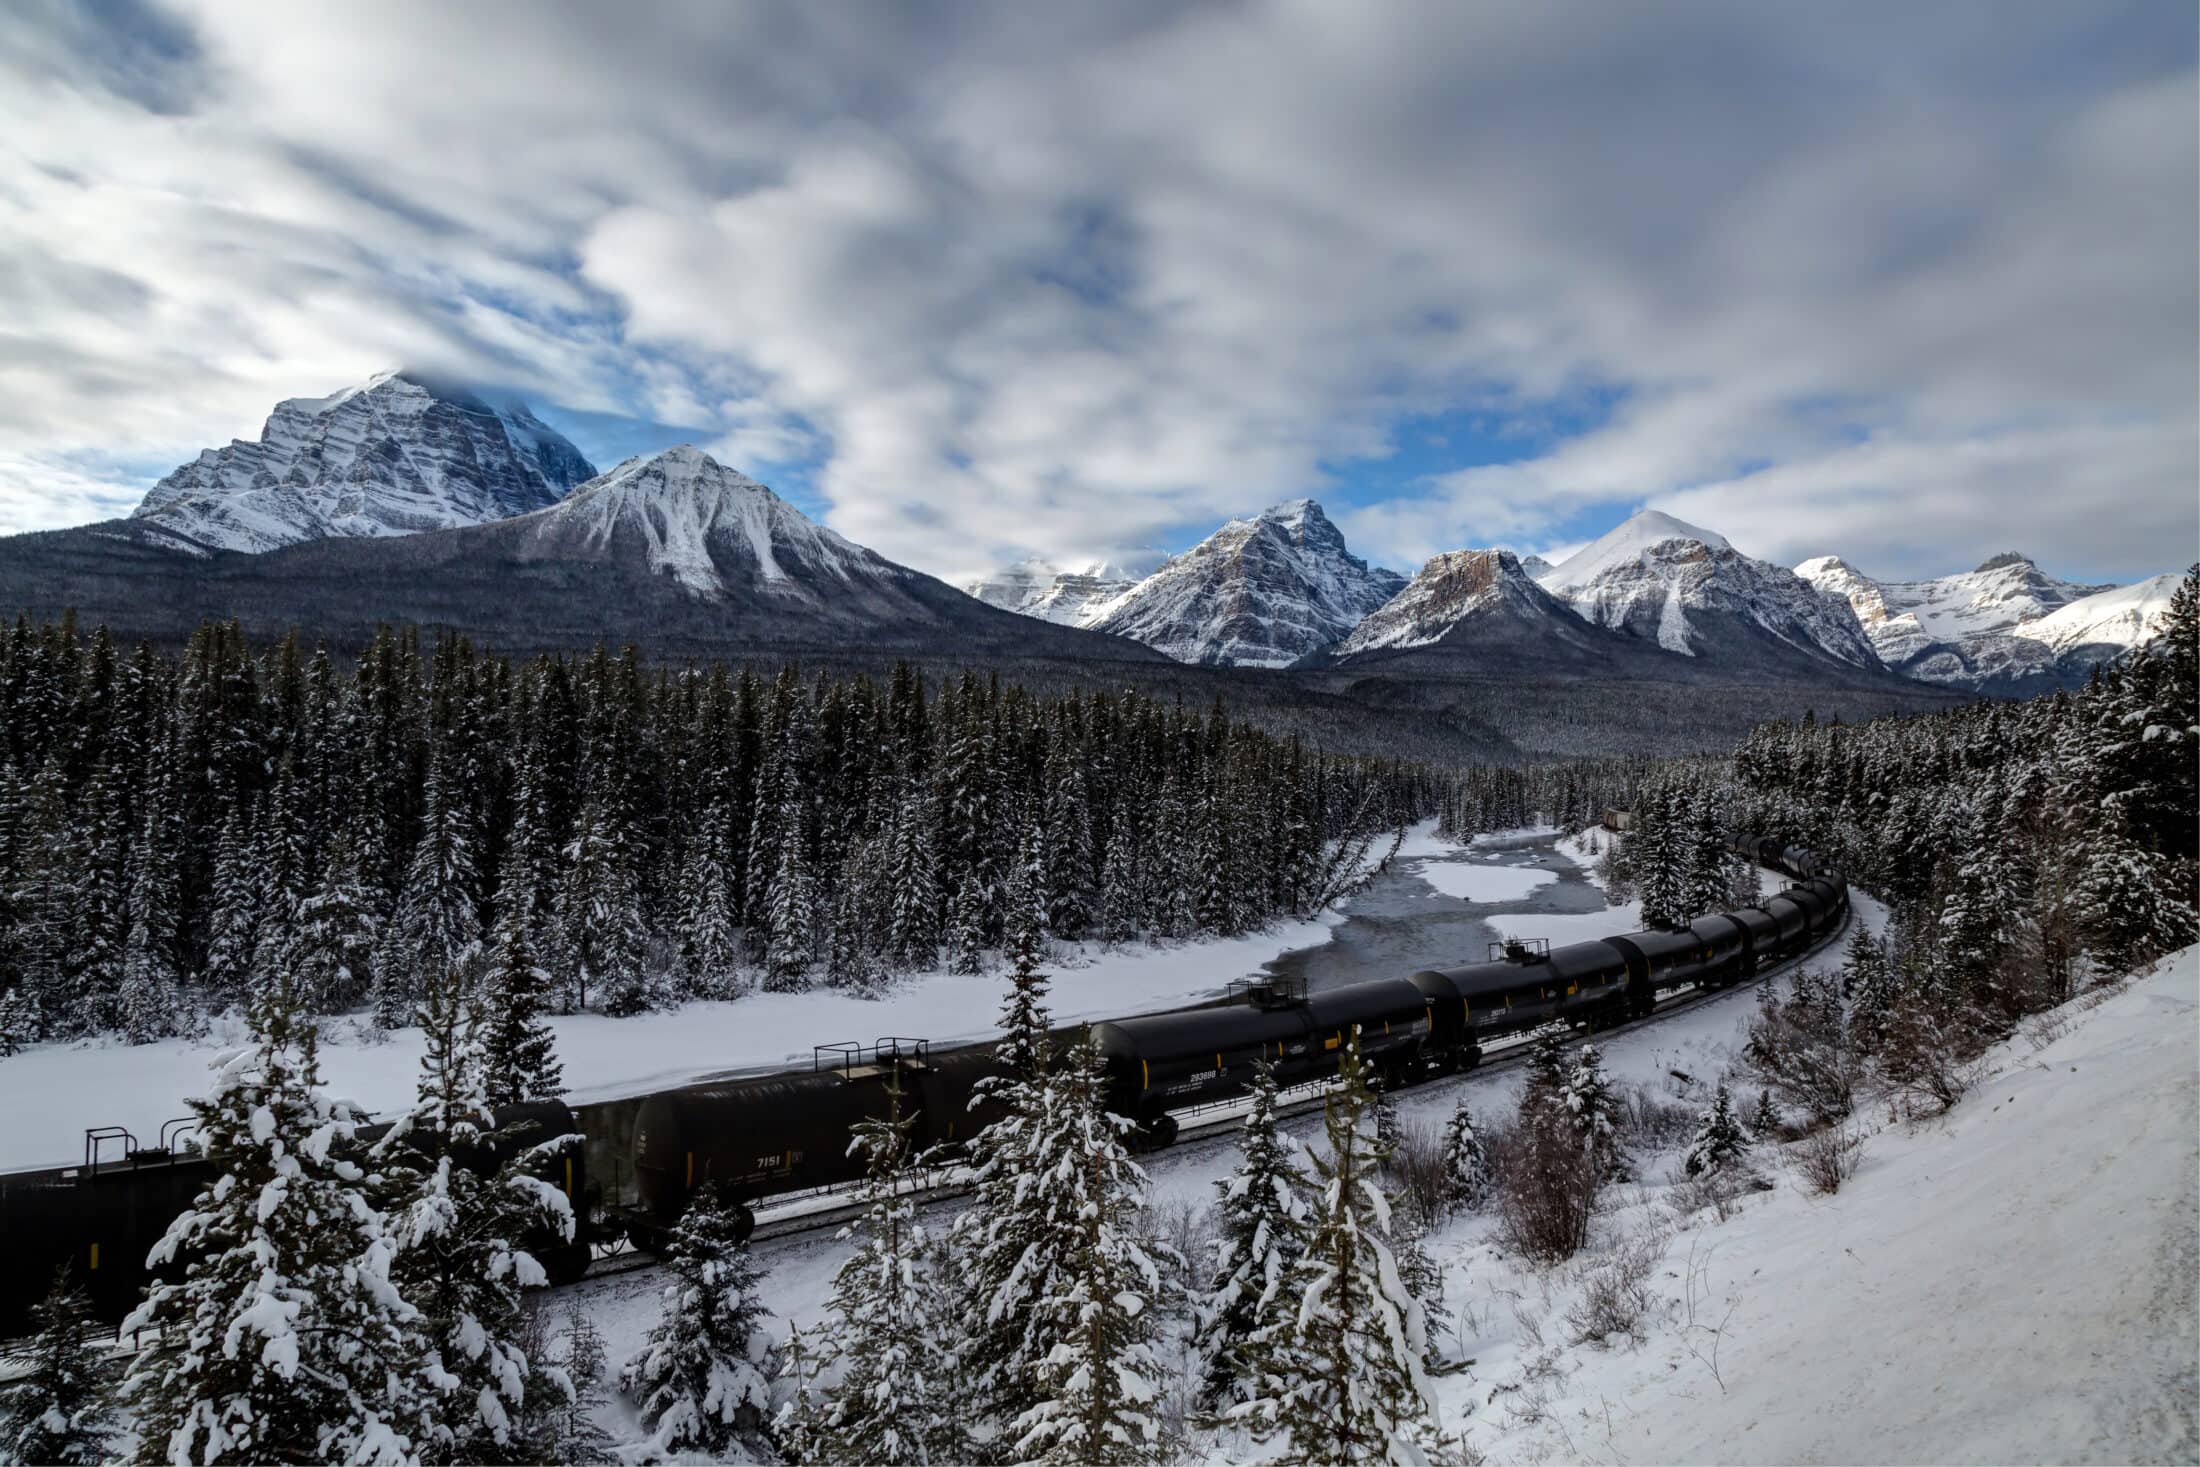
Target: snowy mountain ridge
(395,456)
(1263,591)
(1075,595)
(2006,624)
(1662,579)
(1447,589)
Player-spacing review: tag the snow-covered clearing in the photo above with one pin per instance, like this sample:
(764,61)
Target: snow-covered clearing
(1476,883)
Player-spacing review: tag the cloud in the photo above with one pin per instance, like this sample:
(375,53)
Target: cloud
(1078,281)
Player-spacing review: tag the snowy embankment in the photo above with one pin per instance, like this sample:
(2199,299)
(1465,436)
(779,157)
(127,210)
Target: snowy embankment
(2014,1281)
(51,1093)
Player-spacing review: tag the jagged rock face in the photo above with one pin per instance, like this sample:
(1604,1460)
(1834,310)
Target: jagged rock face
(1038,587)
(1981,628)
(1259,592)
(396,457)
(1684,588)
(1447,590)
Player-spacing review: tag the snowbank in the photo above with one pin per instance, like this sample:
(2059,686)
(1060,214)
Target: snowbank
(2013,1283)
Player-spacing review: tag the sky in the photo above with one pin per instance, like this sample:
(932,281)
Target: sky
(1910,284)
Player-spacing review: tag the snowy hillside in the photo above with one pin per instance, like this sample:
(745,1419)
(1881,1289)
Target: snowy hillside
(1260,592)
(396,456)
(1075,596)
(2011,1283)
(2002,624)
(1661,579)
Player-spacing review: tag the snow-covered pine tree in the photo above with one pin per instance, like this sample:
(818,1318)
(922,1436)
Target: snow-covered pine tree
(21,1024)
(790,920)
(1341,1378)
(895,1399)
(58,1408)
(1092,1290)
(438,912)
(1720,1141)
(913,891)
(286,1339)
(1546,1073)
(1466,1162)
(707,931)
(458,1226)
(332,949)
(991,1236)
(697,1381)
(600,934)
(1261,1234)
(1764,1121)
(575,1437)
(235,919)
(1592,1107)
(519,1052)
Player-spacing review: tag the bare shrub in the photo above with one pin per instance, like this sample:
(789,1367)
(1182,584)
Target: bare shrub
(1185,1232)
(1800,1048)
(1547,1185)
(1925,1058)
(1828,1157)
(1420,1176)
(1616,1291)
(1649,1122)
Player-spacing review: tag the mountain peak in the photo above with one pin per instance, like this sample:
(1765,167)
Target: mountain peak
(396,455)
(1262,591)
(2006,558)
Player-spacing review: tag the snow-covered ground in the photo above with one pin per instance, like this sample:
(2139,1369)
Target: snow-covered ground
(2012,1282)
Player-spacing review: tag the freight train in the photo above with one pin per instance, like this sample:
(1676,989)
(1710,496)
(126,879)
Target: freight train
(637,1161)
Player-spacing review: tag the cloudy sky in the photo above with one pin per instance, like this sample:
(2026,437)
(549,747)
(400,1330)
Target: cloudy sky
(1911,283)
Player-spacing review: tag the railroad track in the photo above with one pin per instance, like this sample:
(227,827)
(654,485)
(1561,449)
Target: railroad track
(1201,1127)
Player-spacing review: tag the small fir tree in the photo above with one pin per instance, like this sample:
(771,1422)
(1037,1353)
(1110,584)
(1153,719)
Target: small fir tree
(1091,1285)
(894,1399)
(697,1381)
(459,1228)
(1764,1122)
(1720,1143)
(286,1338)
(1341,1378)
(1262,1233)
(58,1408)
(519,1051)
(1466,1162)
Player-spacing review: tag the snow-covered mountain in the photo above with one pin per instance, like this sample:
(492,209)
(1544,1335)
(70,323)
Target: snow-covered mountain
(1449,590)
(397,456)
(1263,591)
(2007,626)
(1073,596)
(713,530)
(1691,592)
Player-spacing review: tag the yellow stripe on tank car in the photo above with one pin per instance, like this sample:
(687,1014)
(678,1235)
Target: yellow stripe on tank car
(569,1177)
(691,1169)
(1145,1076)
(94,1266)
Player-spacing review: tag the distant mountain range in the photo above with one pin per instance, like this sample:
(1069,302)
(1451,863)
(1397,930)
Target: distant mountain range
(405,500)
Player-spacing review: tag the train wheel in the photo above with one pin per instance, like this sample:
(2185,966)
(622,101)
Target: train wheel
(1157,1134)
(744,1223)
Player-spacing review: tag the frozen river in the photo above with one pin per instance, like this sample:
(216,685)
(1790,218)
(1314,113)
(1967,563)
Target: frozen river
(1431,911)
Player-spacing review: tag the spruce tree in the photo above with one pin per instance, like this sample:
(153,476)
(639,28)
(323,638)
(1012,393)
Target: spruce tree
(1090,1289)
(285,1338)
(1720,1141)
(58,1408)
(1467,1178)
(1261,1235)
(991,1236)
(696,1382)
(519,1051)
(895,1399)
(1341,1376)
(458,1227)
(1592,1108)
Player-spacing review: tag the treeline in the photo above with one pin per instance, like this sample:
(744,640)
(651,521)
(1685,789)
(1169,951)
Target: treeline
(2025,849)
(173,830)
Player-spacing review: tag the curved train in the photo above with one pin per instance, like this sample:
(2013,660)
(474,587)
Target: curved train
(639,1160)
